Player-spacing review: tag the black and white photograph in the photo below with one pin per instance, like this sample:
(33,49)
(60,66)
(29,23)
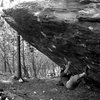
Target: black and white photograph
(50,49)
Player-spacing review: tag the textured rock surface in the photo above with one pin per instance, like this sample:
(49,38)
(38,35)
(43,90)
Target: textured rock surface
(64,30)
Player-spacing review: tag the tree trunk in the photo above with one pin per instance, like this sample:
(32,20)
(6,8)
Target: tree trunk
(1,3)
(5,67)
(23,57)
(19,74)
(4,56)
(7,62)
(4,50)
(33,65)
(13,59)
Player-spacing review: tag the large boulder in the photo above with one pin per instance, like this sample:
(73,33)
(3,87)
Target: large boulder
(64,30)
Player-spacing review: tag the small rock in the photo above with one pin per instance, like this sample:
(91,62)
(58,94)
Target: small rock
(43,91)
(6,99)
(53,90)
(20,80)
(90,28)
(34,92)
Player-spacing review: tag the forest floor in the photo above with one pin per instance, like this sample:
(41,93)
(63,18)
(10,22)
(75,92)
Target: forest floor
(41,89)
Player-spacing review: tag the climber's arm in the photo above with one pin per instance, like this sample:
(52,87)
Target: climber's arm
(67,67)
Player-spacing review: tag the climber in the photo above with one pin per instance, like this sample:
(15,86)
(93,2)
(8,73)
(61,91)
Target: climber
(64,76)
(69,80)
(74,81)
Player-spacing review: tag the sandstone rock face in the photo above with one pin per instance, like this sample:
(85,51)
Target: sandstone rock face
(63,30)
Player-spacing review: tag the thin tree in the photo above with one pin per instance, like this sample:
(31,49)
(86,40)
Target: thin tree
(23,59)
(13,56)
(1,5)
(33,63)
(8,65)
(19,73)
(4,50)
(11,1)
(4,56)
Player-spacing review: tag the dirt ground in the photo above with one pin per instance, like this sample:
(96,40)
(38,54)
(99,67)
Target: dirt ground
(48,89)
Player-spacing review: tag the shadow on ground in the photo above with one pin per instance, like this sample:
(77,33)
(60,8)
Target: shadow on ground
(37,89)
